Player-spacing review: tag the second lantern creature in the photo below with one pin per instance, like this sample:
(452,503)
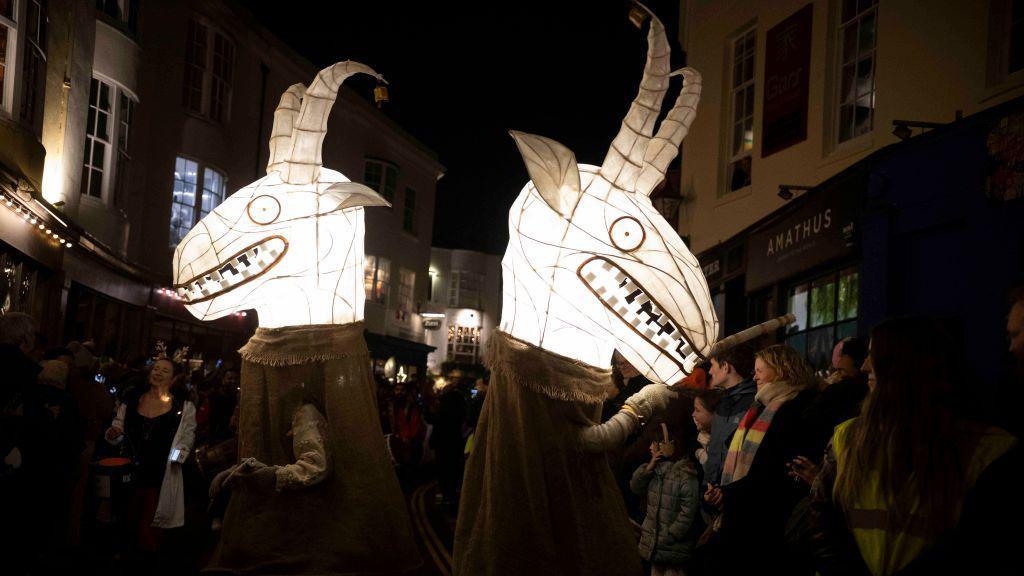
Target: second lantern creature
(315,492)
(591,267)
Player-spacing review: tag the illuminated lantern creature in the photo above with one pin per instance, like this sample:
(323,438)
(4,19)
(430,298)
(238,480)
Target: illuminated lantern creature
(591,267)
(314,492)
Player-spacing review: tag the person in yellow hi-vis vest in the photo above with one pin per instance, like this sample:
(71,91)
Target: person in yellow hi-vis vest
(908,487)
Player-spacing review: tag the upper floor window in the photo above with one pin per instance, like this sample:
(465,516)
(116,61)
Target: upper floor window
(464,289)
(377,278)
(124,13)
(382,177)
(741,105)
(33,68)
(858,23)
(8,39)
(209,68)
(124,158)
(409,211)
(406,291)
(104,161)
(189,202)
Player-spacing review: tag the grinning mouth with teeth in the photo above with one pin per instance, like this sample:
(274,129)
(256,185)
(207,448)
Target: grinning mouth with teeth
(244,266)
(628,300)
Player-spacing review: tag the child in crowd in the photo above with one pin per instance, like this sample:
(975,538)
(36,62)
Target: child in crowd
(670,482)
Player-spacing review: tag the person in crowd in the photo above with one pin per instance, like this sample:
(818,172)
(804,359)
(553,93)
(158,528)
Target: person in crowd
(909,487)
(213,415)
(669,480)
(731,372)
(704,406)
(17,338)
(156,428)
(408,431)
(756,496)
(836,403)
(50,450)
(628,381)
(1011,392)
(448,442)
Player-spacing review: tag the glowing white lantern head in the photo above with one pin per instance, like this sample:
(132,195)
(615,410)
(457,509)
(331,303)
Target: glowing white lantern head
(289,245)
(591,265)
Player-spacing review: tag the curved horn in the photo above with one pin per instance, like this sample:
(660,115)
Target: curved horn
(625,157)
(665,145)
(304,157)
(284,120)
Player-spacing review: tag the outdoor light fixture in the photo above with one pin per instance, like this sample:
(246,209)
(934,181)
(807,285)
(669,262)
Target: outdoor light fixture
(902,128)
(289,245)
(786,190)
(591,265)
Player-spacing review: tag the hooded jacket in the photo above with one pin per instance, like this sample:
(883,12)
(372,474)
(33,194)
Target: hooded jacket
(672,502)
(731,408)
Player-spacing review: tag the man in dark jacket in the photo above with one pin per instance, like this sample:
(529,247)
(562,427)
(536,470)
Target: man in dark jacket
(731,371)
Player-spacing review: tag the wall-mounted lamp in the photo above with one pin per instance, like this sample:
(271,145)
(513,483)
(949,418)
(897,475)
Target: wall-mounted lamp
(902,129)
(786,190)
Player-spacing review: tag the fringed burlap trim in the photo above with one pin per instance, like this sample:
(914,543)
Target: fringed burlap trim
(293,345)
(544,372)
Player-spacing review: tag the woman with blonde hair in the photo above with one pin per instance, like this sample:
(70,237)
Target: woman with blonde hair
(757,495)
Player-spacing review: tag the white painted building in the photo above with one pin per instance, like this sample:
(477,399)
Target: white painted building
(463,305)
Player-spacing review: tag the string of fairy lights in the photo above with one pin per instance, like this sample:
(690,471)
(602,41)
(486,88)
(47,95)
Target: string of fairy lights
(38,222)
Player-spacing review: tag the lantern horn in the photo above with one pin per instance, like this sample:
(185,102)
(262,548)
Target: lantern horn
(284,121)
(665,145)
(751,333)
(304,157)
(624,160)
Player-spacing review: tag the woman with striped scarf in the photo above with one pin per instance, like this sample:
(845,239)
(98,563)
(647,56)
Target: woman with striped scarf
(757,495)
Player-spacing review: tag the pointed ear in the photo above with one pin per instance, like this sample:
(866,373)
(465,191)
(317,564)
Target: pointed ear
(552,168)
(342,195)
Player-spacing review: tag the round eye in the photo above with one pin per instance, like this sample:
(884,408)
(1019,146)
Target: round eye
(627,233)
(263,209)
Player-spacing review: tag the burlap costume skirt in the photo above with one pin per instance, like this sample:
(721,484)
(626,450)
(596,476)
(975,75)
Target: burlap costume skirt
(532,504)
(355,521)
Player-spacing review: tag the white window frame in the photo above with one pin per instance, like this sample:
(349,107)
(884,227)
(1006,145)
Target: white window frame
(10,61)
(197,207)
(208,78)
(110,160)
(872,55)
(747,86)
(406,297)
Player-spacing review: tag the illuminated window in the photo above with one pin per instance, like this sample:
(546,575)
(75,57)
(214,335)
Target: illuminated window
(377,279)
(741,104)
(189,202)
(209,68)
(463,344)
(826,312)
(858,24)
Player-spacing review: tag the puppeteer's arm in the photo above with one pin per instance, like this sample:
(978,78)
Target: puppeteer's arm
(642,406)
(312,463)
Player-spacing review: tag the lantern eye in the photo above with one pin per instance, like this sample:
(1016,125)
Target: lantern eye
(627,233)
(263,209)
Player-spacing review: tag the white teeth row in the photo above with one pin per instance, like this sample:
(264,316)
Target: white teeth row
(231,273)
(635,307)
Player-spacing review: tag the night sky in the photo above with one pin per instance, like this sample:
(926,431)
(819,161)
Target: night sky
(462,75)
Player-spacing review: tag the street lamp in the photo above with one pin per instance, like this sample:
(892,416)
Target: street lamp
(786,190)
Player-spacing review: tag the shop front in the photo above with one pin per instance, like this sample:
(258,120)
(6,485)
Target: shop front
(805,260)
